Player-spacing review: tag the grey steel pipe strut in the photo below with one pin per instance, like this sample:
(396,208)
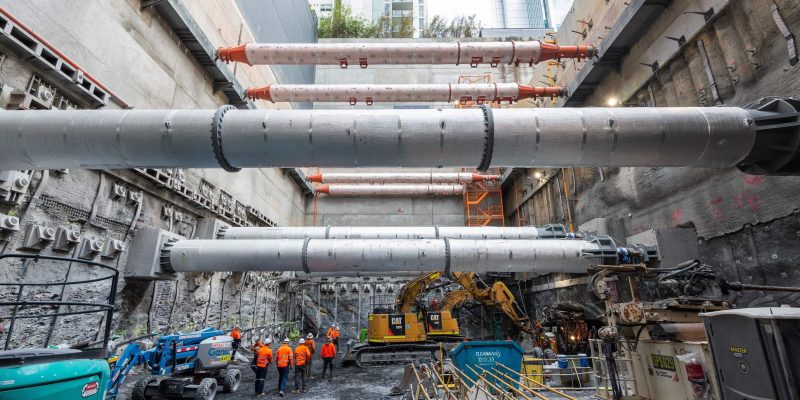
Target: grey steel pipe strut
(437,92)
(458,53)
(764,140)
(381,255)
(555,231)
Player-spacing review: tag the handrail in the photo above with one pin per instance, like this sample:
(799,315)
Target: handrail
(20,304)
(558,392)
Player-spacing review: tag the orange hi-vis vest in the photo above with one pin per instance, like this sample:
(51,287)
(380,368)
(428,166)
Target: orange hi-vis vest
(236,334)
(328,350)
(264,356)
(301,355)
(331,333)
(311,346)
(284,356)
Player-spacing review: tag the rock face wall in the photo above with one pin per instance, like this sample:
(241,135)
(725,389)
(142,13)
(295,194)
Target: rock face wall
(135,53)
(747,225)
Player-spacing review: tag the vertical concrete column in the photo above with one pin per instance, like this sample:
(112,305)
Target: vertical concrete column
(682,80)
(717,64)
(668,87)
(733,49)
(694,64)
(752,20)
(659,97)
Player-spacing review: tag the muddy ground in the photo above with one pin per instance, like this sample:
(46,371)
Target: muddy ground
(350,383)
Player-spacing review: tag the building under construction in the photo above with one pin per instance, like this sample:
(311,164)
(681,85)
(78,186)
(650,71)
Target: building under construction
(607,211)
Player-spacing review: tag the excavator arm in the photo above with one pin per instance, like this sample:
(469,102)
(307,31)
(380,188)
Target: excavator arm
(454,299)
(410,291)
(502,297)
(498,295)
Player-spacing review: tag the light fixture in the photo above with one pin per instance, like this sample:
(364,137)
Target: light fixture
(612,101)
(537,175)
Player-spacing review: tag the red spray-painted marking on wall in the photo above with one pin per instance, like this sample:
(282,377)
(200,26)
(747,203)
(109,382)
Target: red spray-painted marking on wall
(677,217)
(746,199)
(753,180)
(716,211)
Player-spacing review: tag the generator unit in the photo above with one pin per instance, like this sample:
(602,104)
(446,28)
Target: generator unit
(756,352)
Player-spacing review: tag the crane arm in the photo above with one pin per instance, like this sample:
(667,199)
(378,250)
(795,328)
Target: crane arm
(130,357)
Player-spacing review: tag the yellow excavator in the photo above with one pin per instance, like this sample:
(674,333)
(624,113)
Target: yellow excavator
(401,335)
(410,331)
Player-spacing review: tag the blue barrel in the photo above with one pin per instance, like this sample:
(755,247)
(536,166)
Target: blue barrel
(583,360)
(562,361)
(486,355)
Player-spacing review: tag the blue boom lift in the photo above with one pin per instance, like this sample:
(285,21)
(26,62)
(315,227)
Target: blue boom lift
(186,365)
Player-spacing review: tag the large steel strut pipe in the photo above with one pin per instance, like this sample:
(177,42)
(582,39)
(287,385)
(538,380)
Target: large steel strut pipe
(344,189)
(363,54)
(763,140)
(381,255)
(395,232)
(401,177)
(368,93)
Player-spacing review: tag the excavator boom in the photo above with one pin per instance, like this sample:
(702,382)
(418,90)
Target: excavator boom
(498,295)
(413,289)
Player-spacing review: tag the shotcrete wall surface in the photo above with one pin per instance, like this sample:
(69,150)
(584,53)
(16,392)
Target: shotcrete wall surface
(136,54)
(747,225)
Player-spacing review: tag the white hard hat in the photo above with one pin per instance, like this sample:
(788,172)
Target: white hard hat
(286,340)
(268,341)
(310,336)
(302,341)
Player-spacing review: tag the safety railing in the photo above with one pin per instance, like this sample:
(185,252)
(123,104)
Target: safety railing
(29,307)
(572,377)
(612,371)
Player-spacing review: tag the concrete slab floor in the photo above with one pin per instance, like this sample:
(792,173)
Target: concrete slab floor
(351,383)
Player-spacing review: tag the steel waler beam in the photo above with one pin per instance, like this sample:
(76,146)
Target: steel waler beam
(343,189)
(764,139)
(401,177)
(429,53)
(459,92)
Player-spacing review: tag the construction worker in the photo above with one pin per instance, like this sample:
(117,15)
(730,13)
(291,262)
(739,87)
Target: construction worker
(328,352)
(263,358)
(236,334)
(284,360)
(336,337)
(301,357)
(254,348)
(312,347)
(331,331)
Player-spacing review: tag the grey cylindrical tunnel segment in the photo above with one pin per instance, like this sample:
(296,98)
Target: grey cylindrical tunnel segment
(381,255)
(394,232)
(555,137)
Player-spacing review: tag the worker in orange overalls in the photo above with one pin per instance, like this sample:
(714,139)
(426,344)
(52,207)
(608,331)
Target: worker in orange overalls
(263,358)
(336,337)
(284,359)
(301,357)
(312,347)
(328,352)
(331,331)
(236,334)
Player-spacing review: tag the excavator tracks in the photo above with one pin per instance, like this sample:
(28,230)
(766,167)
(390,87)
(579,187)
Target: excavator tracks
(372,355)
